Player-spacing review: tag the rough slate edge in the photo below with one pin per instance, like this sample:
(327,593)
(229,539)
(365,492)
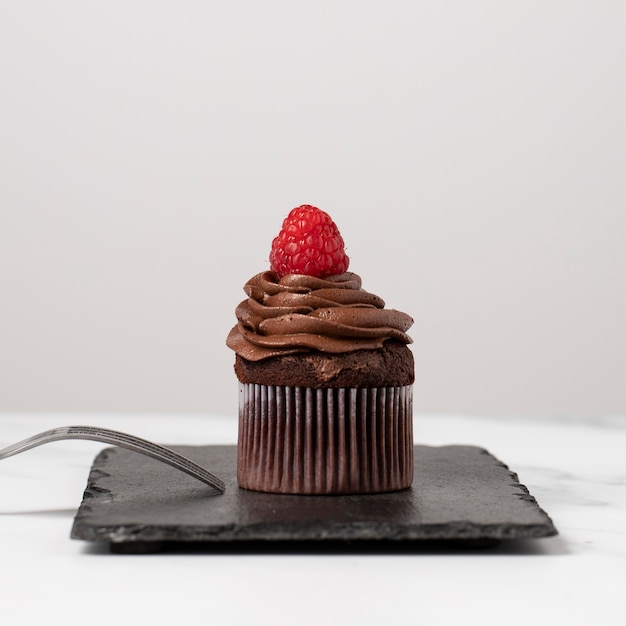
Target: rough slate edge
(139,505)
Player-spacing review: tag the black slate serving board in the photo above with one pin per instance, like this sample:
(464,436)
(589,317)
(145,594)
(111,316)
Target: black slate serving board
(460,493)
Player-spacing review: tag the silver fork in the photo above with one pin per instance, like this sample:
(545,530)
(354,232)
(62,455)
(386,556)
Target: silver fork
(114,437)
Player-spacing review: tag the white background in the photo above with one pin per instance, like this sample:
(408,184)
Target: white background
(472,153)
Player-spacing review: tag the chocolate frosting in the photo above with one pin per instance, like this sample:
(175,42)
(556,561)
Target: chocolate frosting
(298,313)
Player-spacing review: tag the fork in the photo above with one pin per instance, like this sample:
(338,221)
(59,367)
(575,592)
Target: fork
(123,440)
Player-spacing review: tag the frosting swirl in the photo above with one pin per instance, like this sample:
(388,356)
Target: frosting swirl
(299,313)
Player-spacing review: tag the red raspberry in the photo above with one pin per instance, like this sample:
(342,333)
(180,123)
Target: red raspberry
(309,243)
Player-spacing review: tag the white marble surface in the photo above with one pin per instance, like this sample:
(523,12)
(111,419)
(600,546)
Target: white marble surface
(576,469)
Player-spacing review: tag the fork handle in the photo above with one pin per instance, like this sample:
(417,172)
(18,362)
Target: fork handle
(123,440)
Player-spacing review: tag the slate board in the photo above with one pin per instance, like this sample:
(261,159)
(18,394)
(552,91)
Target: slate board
(460,493)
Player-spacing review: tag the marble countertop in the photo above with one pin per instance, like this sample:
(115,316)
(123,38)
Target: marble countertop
(575,468)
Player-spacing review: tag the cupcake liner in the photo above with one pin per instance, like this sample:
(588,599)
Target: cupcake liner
(302,440)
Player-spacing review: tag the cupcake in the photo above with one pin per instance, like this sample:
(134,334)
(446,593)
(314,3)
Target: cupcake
(325,374)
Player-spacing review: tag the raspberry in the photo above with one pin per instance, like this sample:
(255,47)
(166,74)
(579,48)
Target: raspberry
(309,243)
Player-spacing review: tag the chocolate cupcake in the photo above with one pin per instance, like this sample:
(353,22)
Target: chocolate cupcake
(325,374)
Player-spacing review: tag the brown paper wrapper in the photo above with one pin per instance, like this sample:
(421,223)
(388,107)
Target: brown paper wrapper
(302,440)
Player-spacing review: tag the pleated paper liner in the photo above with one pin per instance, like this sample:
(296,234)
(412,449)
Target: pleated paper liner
(301,440)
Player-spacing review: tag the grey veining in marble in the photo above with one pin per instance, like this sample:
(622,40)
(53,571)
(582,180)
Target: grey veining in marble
(459,493)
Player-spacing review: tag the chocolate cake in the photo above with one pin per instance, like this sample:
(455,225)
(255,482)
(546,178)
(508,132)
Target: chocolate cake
(391,365)
(325,374)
